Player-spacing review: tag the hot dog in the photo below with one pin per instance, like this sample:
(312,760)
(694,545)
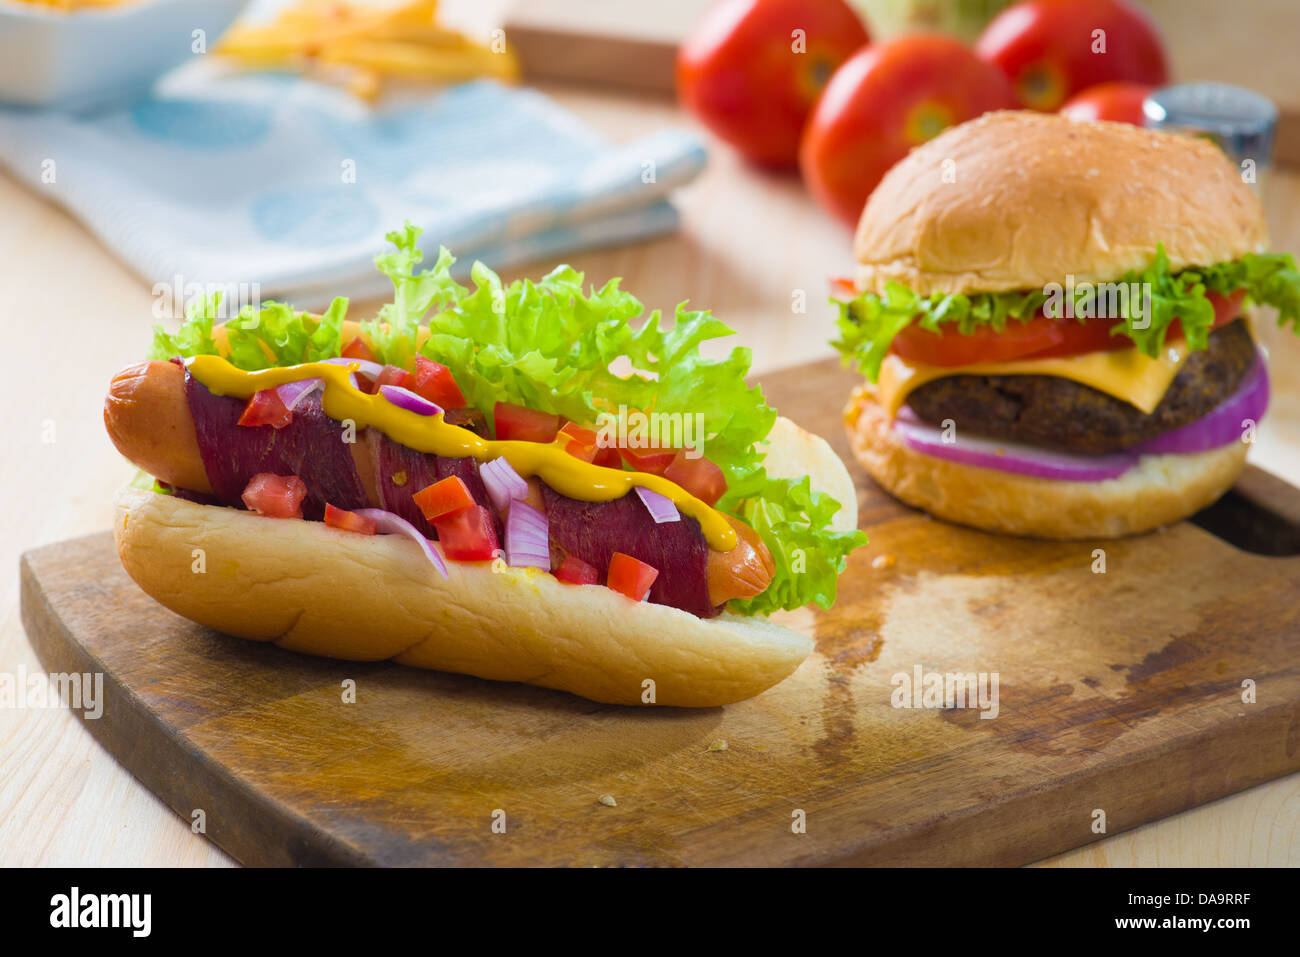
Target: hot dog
(286,440)
(149,422)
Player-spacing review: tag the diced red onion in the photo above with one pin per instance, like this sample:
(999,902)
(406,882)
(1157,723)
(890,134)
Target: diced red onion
(291,393)
(408,400)
(1014,457)
(528,541)
(1223,424)
(502,482)
(386,523)
(660,507)
(367,368)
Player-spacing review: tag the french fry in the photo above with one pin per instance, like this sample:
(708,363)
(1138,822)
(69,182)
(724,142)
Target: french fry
(361,46)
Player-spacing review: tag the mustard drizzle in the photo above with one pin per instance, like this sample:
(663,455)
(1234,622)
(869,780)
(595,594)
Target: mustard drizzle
(547,461)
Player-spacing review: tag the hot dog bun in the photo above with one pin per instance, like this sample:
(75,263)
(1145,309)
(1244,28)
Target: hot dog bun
(314,589)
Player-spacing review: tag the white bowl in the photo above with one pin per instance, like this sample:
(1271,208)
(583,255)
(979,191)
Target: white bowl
(83,58)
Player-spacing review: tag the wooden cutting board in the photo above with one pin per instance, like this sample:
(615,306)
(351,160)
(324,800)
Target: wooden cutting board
(1119,693)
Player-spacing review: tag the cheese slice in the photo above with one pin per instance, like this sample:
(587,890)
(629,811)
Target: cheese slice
(1125,373)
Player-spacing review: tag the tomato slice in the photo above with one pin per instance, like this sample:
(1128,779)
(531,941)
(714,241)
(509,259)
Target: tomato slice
(949,347)
(395,375)
(443,497)
(434,381)
(1080,337)
(630,577)
(276,496)
(265,408)
(469,535)
(357,349)
(575,571)
(1039,338)
(698,476)
(348,521)
(522,424)
(607,458)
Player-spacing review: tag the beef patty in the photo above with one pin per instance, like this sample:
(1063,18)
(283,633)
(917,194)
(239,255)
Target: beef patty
(1060,414)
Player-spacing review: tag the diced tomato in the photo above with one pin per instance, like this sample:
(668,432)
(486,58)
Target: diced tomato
(357,349)
(395,375)
(276,496)
(652,460)
(607,458)
(698,476)
(522,424)
(582,442)
(575,571)
(434,381)
(266,408)
(443,497)
(630,577)
(348,521)
(469,535)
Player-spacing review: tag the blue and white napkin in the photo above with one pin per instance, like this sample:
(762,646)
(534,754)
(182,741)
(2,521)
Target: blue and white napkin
(289,184)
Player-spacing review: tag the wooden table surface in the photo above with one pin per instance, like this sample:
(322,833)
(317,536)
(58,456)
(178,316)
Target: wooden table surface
(750,242)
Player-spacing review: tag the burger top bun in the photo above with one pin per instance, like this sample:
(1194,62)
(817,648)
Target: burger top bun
(1015,200)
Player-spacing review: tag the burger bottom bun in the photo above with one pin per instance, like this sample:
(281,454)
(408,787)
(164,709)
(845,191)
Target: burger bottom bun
(310,588)
(1159,490)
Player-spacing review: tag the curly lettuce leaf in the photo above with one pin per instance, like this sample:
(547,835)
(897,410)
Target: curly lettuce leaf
(868,324)
(273,334)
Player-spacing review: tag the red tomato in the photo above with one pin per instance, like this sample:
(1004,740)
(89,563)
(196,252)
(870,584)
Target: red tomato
(434,381)
(276,496)
(630,577)
(575,571)
(1039,338)
(652,459)
(749,74)
(348,521)
(950,348)
(1118,101)
(443,497)
(469,535)
(522,424)
(885,100)
(357,349)
(266,408)
(608,458)
(1053,49)
(395,375)
(698,476)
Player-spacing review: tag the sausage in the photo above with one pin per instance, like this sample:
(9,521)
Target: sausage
(148,419)
(743,572)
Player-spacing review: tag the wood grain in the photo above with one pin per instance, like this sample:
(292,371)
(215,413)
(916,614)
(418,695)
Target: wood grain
(1119,691)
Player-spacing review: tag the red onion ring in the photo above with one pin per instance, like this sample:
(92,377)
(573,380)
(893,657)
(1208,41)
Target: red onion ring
(660,507)
(528,540)
(1221,425)
(1015,457)
(408,400)
(386,523)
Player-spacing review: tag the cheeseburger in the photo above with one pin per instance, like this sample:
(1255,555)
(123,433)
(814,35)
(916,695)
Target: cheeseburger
(1053,319)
